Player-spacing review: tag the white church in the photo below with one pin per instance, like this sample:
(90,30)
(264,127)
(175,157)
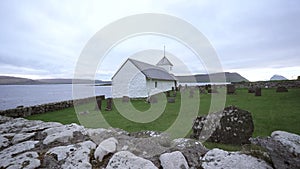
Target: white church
(137,79)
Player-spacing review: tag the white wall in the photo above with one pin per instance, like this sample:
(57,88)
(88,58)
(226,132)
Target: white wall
(161,86)
(129,81)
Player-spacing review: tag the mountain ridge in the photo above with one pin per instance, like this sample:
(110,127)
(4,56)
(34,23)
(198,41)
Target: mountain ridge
(10,80)
(229,77)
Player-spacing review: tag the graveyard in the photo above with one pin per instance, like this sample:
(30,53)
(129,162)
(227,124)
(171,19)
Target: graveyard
(271,111)
(258,129)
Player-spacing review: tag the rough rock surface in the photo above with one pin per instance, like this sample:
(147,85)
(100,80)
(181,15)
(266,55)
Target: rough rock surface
(71,156)
(37,144)
(283,148)
(105,147)
(217,159)
(174,160)
(191,149)
(127,160)
(230,126)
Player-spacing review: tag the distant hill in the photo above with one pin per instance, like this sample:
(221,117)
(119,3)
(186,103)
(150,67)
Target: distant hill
(278,77)
(230,77)
(9,80)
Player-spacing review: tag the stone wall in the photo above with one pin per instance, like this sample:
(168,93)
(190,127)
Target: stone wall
(269,84)
(37,144)
(43,108)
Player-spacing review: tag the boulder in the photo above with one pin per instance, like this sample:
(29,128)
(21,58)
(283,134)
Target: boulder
(16,156)
(192,149)
(174,160)
(127,160)
(64,133)
(220,159)
(229,126)
(105,147)
(71,156)
(283,148)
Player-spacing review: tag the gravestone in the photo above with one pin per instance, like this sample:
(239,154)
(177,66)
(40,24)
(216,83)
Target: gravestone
(174,94)
(168,93)
(179,87)
(98,104)
(152,99)
(108,104)
(257,91)
(171,100)
(192,92)
(229,126)
(251,89)
(125,99)
(173,88)
(281,89)
(230,89)
(202,90)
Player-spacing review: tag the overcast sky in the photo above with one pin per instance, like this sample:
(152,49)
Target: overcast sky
(43,39)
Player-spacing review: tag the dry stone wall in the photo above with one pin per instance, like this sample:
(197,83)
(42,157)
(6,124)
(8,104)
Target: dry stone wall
(37,144)
(21,111)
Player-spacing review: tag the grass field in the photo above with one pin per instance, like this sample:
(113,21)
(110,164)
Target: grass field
(272,111)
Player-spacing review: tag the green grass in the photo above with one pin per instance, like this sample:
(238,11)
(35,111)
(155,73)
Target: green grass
(272,111)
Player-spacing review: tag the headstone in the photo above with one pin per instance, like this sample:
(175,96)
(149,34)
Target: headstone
(171,100)
(230,89)
(229,126)
(98,104)
(192,92)
(257,91)
(102,97)
(251,89)
(281,89)
(208,86)
(168,93)
(173,88)
(125,99)
(298,78)
(152,99)
(174,94)
(108,104)
(202,90)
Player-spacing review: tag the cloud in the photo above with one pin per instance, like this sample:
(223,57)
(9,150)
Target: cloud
(45,38)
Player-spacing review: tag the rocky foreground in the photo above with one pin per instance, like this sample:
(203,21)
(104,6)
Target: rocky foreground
(37,144)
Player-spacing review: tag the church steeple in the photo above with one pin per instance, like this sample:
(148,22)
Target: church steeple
(165,63)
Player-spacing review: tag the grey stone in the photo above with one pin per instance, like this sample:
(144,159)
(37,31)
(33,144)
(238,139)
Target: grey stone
(41,126)
(21,137)
(4,142)
(220,159)
(230,126)
(11,156)
(72,156)
(127,160)
(63,134)
(26,160)
(230,89)
(105,147)
(174,160)
(283,148)
(192,149)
